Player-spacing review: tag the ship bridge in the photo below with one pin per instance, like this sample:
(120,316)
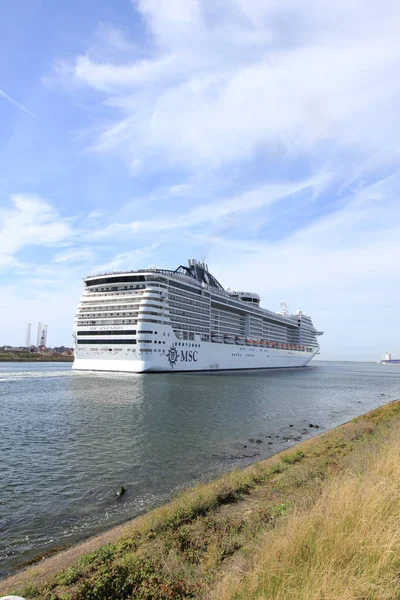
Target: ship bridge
(247,297)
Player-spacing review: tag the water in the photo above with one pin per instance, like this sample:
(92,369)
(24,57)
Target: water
(69,440)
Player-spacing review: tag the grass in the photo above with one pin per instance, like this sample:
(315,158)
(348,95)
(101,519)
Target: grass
(346,546)
(318,521)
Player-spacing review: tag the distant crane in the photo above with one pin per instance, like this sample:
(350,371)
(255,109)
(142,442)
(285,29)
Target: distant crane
(41,340)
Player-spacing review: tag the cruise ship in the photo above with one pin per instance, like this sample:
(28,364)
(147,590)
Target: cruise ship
(158,320)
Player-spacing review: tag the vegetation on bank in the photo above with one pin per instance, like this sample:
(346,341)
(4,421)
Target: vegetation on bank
(34,357)
(320,521)
(343,543)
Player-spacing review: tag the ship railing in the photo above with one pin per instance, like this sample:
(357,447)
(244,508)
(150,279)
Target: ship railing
(136,272)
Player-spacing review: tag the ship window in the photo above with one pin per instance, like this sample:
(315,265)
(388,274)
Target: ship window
(114,332)
(115,341)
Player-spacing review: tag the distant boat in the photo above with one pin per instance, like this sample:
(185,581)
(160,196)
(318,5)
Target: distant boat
(388,360)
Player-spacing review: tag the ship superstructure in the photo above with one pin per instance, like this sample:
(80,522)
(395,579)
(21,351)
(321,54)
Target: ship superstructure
(155,320)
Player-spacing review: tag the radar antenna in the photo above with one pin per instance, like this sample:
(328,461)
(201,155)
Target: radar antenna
(284,309)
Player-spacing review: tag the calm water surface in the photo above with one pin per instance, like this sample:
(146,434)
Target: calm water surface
(69,440)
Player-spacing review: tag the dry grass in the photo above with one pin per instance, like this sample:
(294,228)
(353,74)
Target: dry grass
(345,547)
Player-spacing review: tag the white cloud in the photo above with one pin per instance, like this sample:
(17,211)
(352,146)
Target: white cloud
(108,77)
(95,214)
(213,212)
(128,260)
(222,80)
(31,221)
(75,255)
(180,189)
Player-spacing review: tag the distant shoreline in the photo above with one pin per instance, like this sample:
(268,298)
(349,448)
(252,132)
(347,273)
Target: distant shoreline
(37,358)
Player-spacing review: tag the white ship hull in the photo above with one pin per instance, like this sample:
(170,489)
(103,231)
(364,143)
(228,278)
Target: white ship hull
(205,356)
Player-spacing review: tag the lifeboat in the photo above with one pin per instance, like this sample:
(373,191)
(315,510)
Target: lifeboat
(217,338)
(229,339)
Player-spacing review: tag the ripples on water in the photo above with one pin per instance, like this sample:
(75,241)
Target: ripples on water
(70,440)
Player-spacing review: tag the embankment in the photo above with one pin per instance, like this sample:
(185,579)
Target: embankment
(321,520)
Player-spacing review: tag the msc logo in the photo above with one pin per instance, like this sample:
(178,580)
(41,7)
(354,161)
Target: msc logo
(189,355)
(173,355)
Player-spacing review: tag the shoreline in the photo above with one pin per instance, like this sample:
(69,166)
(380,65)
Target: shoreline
(37,359)
(229,495)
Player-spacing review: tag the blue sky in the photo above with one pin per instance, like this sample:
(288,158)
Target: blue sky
(262,138)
